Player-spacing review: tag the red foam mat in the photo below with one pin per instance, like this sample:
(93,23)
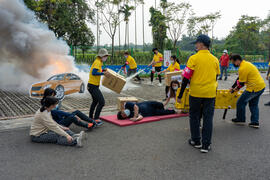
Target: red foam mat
(113,119)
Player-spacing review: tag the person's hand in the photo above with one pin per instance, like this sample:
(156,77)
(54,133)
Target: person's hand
(65,128)
(231,90)
(107,74)
(267,77)
(178,100)
(154,63)
(69,139)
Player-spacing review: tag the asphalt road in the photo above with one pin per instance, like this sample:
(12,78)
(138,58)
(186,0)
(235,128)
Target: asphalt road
(157,150)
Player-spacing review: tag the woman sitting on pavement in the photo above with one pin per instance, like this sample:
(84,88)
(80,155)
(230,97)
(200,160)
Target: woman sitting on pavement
(66,119)
(136,111)
(45,130)
(172,91)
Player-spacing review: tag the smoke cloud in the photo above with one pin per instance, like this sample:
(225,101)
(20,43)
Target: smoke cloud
(29,51)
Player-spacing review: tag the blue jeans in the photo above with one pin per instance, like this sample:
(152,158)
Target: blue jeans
(223,68)
(206,107)
(252,99)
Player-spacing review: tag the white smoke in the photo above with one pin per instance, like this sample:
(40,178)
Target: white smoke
(29,51)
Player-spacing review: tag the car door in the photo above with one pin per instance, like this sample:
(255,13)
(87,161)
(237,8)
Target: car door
(67,85)
(75,82)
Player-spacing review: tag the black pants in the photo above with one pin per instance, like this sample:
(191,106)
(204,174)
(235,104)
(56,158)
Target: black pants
(167,88)
(155,108)
(157,69)
(72,119)
(98,101)
(133,71)
(206,107)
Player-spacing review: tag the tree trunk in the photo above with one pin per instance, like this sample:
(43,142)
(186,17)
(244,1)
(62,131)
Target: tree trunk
(174,44)
(126,34)
(112,59)
(119,27)
(143,24)
(135,25)
(97,28)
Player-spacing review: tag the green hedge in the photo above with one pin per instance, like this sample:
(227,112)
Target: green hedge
(144,58)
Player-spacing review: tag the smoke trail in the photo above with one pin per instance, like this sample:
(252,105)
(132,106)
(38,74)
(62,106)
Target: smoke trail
(29,51)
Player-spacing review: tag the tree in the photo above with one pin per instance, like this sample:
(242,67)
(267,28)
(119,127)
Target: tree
(244,37)
(265,35)
(67,19)
(203,24)
(110,18)
(126,11)
(159,28)
(177,16)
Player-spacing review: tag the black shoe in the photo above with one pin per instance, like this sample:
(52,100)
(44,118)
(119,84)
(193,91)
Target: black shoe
(236,121)
(267,104)
(197,145)
(254,125)
(225,79)
(205,148)
(219,78)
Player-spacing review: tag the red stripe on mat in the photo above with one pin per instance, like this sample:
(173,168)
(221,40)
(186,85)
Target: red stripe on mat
(113,119)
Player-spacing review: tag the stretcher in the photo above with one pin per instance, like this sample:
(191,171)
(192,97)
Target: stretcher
(224,100)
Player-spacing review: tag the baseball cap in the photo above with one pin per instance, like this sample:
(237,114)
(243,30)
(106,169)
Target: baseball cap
(203,39)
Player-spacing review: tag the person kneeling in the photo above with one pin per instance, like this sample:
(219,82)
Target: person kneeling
(137,111)
(45,130)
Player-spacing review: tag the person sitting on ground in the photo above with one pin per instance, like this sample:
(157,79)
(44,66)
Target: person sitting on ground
(45,130)
(172,91)
(137,111)
(66,119)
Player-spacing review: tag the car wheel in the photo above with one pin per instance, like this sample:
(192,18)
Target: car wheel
(82,88)
(60,92)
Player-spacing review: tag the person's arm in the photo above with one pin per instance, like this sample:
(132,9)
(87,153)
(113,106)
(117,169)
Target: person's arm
(268,72)
(96,73)
(184,84)
(140,117)
(237,85)
(48,122)
(152,62)
(167,101)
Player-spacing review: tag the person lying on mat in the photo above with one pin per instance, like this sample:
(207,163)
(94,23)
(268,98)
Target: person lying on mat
(137,111)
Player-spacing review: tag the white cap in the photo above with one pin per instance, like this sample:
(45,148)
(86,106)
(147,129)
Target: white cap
(225,51)
(103,52)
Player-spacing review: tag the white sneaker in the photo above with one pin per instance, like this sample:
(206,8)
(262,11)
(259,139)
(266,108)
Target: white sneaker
(151,83)
(79,139)
(159,84)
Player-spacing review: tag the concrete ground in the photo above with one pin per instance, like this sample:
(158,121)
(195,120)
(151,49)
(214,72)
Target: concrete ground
(157,150)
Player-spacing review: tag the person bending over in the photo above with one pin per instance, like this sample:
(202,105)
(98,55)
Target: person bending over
(137,111)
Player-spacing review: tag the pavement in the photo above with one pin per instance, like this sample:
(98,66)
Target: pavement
(157,150)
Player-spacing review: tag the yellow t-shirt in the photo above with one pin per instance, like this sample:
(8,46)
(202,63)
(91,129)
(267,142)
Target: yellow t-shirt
(203,82)
(157,57)
(131,62)
(95,80)
(174,67)
(250,75)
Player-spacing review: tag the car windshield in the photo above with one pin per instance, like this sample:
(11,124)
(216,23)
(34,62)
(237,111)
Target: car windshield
(56,77)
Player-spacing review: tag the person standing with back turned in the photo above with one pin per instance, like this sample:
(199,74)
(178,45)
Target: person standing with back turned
(202,70)
(93,84)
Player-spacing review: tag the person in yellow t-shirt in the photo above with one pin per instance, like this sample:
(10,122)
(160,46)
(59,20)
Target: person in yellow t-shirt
(174,66)
(202,70)
(132,65)
(93,85)
(156,64)
(268,79)
(250,77)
